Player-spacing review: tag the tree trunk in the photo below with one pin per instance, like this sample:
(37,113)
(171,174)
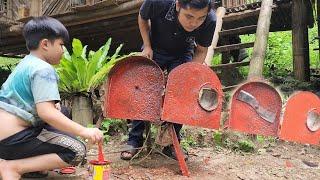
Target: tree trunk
(260,45)
(82,110)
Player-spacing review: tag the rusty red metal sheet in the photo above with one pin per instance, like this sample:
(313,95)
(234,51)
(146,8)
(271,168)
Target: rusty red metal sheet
(134,90)
(179,153)
(193,96)
(255,109)
(301,120)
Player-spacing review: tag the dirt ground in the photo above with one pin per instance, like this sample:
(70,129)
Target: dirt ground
(270,160)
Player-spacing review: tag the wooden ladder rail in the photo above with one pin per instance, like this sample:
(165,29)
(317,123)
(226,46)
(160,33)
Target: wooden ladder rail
(221,11)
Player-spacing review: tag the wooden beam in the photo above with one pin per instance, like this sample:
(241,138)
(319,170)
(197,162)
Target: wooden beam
(260,45)
(241,15)
(77,18)
(229,88)
(301,57)
(221,11)
(318,22)
(233,47)
(239,31)
(230,65)
(35,8)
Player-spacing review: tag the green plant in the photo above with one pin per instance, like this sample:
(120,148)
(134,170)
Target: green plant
(81,73)
(260,139)
(188,142)
(217,138)
(109,126)
(245,146)
(279,59)
(8,63)
(6,67)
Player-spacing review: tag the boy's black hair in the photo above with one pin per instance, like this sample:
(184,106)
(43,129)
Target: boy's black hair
(195,4)
(43,27)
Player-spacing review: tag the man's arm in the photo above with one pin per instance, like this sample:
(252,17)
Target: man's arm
(200,54)
(144,28)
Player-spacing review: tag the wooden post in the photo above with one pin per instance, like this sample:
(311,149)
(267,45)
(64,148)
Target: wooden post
(318,22)
(35,8)
(221,11)
(260,45)
(301,57)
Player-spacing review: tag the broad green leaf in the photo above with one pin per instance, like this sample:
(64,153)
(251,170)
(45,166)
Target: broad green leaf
(77,47)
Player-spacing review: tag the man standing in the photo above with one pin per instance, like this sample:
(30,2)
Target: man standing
(173,32)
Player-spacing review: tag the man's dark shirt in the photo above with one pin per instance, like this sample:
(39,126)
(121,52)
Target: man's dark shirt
(167,35)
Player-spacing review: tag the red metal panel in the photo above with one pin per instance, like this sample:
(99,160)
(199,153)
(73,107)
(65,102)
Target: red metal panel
(245,118)
(181,103)
(298,109)
(134,90)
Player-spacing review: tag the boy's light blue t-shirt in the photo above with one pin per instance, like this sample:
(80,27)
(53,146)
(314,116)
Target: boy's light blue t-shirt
(32,81)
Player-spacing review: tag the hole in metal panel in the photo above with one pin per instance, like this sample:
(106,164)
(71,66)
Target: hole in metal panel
(313,120)
(208,99)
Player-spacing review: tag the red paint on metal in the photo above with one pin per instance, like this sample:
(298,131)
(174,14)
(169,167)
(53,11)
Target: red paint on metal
(67,170)
(179,153)
(182,93)
(244,118)
(294,125)
(134,90)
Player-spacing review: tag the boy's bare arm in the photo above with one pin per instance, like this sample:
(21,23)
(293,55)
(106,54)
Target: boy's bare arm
(48,113)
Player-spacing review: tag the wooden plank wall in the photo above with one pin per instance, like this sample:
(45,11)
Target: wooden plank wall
(13,8)
(237,3)
(50,7)
(3,6)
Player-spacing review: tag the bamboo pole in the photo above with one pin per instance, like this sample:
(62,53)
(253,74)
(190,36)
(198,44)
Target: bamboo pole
(260,45)
(221,11)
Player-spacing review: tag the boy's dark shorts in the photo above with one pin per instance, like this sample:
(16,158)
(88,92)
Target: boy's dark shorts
(35,141)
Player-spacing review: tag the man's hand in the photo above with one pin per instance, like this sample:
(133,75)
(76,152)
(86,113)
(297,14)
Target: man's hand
(94,135)
(147,52)
(200,54)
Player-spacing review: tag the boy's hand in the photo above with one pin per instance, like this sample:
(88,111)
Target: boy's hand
(94,135)
(58,106)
